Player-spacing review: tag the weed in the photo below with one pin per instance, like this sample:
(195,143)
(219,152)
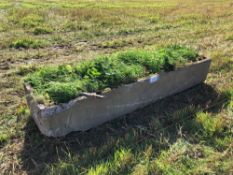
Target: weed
(42,30)
(3,138)
(122,160)
(210,124)
(162,59)
(105,71)
(63,92)
(31,20)
(73,26)
(154,19)
(28,43)
(140,170)
(26,69)
(115,44)
(98,170)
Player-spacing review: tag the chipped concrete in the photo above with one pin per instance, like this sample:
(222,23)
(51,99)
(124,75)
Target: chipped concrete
(90,110)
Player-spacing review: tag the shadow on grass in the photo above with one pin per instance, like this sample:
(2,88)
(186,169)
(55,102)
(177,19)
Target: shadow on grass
(134,131)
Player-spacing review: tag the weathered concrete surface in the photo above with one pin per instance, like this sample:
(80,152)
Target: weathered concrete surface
(89,111)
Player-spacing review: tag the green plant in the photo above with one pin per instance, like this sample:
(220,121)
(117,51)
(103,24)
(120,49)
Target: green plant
(105,72)
(211,125)
(123,74)
(31,20)
(62,92)
(3,138)
(28,43)
(148,59)
(163,58)
(73,26)
(26,69)
(42,30)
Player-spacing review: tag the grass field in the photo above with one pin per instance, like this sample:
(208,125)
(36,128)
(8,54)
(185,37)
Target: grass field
(188,133)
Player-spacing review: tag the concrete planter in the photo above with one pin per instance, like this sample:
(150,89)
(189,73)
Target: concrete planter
(90,110)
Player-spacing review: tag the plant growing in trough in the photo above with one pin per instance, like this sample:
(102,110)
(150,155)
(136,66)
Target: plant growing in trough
(65,82)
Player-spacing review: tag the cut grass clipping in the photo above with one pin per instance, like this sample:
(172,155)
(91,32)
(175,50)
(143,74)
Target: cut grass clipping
(62,83)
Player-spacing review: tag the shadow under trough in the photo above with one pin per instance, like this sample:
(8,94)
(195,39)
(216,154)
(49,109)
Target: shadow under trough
(135,131)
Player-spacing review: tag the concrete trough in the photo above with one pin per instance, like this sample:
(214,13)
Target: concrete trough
(90,110)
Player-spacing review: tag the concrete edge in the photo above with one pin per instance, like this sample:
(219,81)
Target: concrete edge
(49,111)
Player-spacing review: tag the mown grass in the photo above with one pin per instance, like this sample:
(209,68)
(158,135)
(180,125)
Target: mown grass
(66,82)
(189,133)
(140,144)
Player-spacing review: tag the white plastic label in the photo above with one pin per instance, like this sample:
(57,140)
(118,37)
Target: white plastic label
(154,78)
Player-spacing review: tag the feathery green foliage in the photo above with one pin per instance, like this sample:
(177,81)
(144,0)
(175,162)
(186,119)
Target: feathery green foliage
(65,82)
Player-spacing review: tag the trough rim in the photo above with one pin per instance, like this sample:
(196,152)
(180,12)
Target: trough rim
(65,106)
